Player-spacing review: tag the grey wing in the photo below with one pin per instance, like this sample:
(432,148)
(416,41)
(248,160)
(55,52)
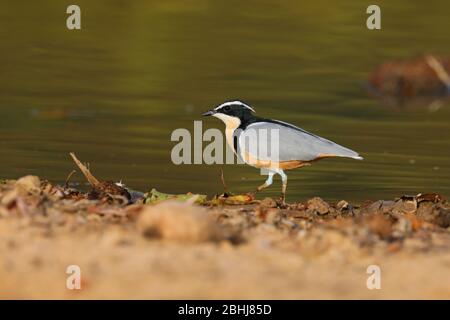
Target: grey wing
(279,141)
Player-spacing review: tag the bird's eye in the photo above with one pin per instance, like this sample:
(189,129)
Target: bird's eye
(227,108)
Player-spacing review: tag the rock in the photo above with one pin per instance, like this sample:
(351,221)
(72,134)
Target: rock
(426,211)
(28,184)
(318,206)
(406,204)
(268,202)
(434,213)
(380,206)
(342,205)
(178,221)
(443,217)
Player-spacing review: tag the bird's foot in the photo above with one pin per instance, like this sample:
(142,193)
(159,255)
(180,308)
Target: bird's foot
(254,193)
(281,202)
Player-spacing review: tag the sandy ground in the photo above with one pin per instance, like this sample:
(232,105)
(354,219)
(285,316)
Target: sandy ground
(178,250)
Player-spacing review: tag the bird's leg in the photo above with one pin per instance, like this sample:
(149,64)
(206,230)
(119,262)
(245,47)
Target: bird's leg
(283,187)
(268,182)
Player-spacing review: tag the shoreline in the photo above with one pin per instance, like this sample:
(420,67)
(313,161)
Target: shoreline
(175,248)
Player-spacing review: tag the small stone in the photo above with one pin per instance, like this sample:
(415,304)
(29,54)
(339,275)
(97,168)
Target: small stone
(443,217)
(405,204)
(269,203)
(178,221)
(318,206)
(342,205)
(380,206)
(28,184)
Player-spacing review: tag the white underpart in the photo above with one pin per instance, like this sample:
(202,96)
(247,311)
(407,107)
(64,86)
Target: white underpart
(230,103)
(231,124)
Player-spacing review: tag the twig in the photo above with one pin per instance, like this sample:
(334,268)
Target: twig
(222,178)
(439,69)
(90,178)
(66,184)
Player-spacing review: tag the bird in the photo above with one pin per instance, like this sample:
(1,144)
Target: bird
(293,148)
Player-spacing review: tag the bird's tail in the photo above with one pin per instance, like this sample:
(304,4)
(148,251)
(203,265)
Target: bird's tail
(348,153)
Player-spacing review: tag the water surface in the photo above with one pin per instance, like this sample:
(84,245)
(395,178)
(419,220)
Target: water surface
(114,91)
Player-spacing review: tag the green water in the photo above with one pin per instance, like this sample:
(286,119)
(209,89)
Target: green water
(114,91)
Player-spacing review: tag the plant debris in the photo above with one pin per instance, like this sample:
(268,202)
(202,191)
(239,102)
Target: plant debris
(155,196)
(232,199)
(214,247)
(105,190)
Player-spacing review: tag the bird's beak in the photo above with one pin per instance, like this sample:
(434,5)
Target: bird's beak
(208,113)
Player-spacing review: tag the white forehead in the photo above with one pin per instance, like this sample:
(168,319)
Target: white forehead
(230,103)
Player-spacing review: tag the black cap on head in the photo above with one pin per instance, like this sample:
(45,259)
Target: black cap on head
(232,108)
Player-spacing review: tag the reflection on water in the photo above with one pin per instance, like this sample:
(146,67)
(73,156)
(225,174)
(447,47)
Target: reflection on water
(114,91)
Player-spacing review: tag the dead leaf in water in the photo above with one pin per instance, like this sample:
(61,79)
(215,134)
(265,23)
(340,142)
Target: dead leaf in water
(232,199)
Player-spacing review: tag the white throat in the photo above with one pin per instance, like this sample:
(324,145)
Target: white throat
(231,124)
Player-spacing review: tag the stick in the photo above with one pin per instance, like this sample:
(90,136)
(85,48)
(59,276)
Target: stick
(66,185)
(222,178)
(90,178)
(439,69)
